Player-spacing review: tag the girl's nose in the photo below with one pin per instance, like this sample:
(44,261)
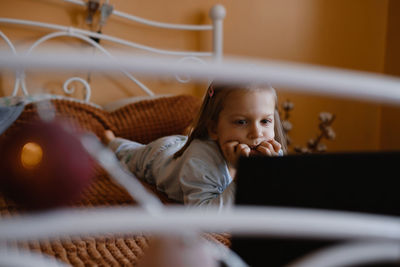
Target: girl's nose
(255,131)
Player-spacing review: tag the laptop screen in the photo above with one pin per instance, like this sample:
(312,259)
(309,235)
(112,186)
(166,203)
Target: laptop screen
(362,182)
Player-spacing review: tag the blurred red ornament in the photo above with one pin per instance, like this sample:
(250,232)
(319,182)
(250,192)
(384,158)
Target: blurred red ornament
(44,166)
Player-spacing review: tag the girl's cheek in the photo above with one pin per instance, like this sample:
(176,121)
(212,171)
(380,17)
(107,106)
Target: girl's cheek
(271,134)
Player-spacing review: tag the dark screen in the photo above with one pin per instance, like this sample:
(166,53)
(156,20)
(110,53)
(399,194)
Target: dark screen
(361,182)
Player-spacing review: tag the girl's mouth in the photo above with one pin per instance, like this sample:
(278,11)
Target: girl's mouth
(253,147)
(253,150)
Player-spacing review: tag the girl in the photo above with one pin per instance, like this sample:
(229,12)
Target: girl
(199,169)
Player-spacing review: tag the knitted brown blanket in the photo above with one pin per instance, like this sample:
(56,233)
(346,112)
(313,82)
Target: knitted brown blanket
(143,121)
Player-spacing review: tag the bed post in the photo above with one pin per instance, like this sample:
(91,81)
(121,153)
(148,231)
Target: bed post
(217,14)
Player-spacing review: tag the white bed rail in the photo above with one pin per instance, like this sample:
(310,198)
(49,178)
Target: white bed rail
(373,238)
(217,14)
(240,221)
(151,22)
(73,30)
(367,86)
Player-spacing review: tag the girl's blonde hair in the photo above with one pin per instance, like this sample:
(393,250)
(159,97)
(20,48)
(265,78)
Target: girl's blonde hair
(211,107)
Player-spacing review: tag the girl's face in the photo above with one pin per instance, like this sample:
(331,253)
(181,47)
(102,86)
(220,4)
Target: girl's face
(247,117)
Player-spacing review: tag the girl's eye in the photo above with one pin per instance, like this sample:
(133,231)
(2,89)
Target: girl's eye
(240,122)
(266,121)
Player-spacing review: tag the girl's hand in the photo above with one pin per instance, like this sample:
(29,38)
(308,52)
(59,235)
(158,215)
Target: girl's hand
(233,151)
(108,136)
(269,148)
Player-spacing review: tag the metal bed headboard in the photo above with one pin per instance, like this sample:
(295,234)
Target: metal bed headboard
(217,14)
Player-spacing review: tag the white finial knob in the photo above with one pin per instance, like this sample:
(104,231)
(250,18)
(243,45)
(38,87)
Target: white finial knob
(217,12)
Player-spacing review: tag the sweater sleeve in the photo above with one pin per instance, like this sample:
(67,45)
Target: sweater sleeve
(124,150)
(206,184)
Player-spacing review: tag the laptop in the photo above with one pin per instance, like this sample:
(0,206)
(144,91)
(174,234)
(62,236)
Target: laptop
(361,182)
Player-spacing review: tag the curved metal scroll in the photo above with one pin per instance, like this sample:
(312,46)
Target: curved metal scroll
(71,33)
(17,74)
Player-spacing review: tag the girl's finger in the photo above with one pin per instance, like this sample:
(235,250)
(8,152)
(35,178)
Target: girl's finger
(266,144)
(243,150)
(229,151)
(277,146)
(265,150)
(230,146)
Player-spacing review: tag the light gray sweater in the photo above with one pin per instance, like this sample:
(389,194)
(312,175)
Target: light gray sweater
(200,177)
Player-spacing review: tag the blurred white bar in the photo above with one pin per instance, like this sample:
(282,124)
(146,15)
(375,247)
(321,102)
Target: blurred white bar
(294,77)
(247,221)
(13,257)
(352,254)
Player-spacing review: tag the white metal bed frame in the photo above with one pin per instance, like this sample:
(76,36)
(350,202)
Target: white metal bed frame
(217,14)
(373,237)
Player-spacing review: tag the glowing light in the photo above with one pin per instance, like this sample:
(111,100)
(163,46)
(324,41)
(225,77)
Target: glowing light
(31,155)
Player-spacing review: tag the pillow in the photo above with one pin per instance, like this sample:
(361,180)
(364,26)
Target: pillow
(142,121)
(80,116)
(77,113)
(147,120)
(112,106)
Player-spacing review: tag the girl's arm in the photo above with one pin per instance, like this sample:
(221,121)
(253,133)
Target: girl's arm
(125,150)
(206,184)
(108,136)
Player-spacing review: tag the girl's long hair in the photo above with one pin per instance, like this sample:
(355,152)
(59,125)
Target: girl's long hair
(211,107)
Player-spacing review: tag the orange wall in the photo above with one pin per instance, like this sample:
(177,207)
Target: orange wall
(391,114)
(340,33)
